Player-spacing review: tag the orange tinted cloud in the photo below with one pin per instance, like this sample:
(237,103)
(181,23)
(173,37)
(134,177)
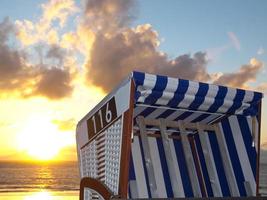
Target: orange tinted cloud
(241,78)
(30,33)
(118,49)
(24,79)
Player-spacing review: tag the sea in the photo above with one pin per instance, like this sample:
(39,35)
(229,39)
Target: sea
(19,177)
(24,177)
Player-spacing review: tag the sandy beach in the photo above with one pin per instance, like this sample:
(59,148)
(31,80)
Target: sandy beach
(41,195)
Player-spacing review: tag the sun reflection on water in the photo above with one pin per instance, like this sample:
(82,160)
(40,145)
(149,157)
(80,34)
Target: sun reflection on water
(51,195)
(43,195)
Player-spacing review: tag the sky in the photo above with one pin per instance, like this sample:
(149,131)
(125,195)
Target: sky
(59,58)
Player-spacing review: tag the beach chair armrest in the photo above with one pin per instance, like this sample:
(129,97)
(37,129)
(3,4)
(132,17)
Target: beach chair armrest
(96,185)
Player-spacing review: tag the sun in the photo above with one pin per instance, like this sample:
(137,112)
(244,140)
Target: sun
(40,139)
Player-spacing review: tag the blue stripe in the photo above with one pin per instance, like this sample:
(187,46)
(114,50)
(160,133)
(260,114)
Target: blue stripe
(165,171)
(157,91)
(234,156)
(201,117)
(237,102)
(184,116)
(219,99)
(183,169)
(138,80)
(144,164)
(147,111)
(247,138)
(200,96)
(131,169)
(218,163)
(129,192)
(165,114)
(131,175)
(203,166)
(179,93)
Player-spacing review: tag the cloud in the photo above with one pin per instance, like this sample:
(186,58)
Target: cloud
(65,125)
(111,49)
(44,30)
(56,52)
(109,15)
(58,10)
(118,49)
(246,74)
(215,53)
(136,49)
(260,51)
(53,83)
(262,88)
(20,77)
(234,40)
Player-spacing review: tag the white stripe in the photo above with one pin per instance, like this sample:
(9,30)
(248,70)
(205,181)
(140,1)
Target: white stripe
(242,152)
(209,160)
(190,165)
(161,190)
(139,169)
(247,98)
(228,100)
(193,116)
(146,88)
(209,98)
(169,91)
(174,115)
(138,110)
(256,134)
(155,113)
(133,189)
(254,137)
(227,164)
(249,121)
(189,95)
(209,119)
(170,159)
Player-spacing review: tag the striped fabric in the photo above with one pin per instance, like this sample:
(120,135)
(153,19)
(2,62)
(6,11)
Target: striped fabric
(224,162)
(155,90)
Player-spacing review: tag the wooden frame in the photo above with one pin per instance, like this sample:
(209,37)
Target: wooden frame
(126,145)
(95,185)
(259,149)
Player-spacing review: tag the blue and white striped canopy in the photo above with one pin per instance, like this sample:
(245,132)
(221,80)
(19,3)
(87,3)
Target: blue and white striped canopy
(156,90)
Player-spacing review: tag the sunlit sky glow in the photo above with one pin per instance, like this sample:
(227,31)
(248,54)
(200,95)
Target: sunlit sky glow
(59,58)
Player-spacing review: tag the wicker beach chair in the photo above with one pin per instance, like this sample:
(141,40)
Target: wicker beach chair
(161,137)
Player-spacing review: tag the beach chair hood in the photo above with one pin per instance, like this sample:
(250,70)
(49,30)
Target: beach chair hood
(161,137)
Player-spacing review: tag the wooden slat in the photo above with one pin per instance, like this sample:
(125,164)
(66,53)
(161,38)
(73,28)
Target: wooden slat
(210,165)
(170,160)
(149,166)
(175,124)
(189,161)
(230,176)
(258,150)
